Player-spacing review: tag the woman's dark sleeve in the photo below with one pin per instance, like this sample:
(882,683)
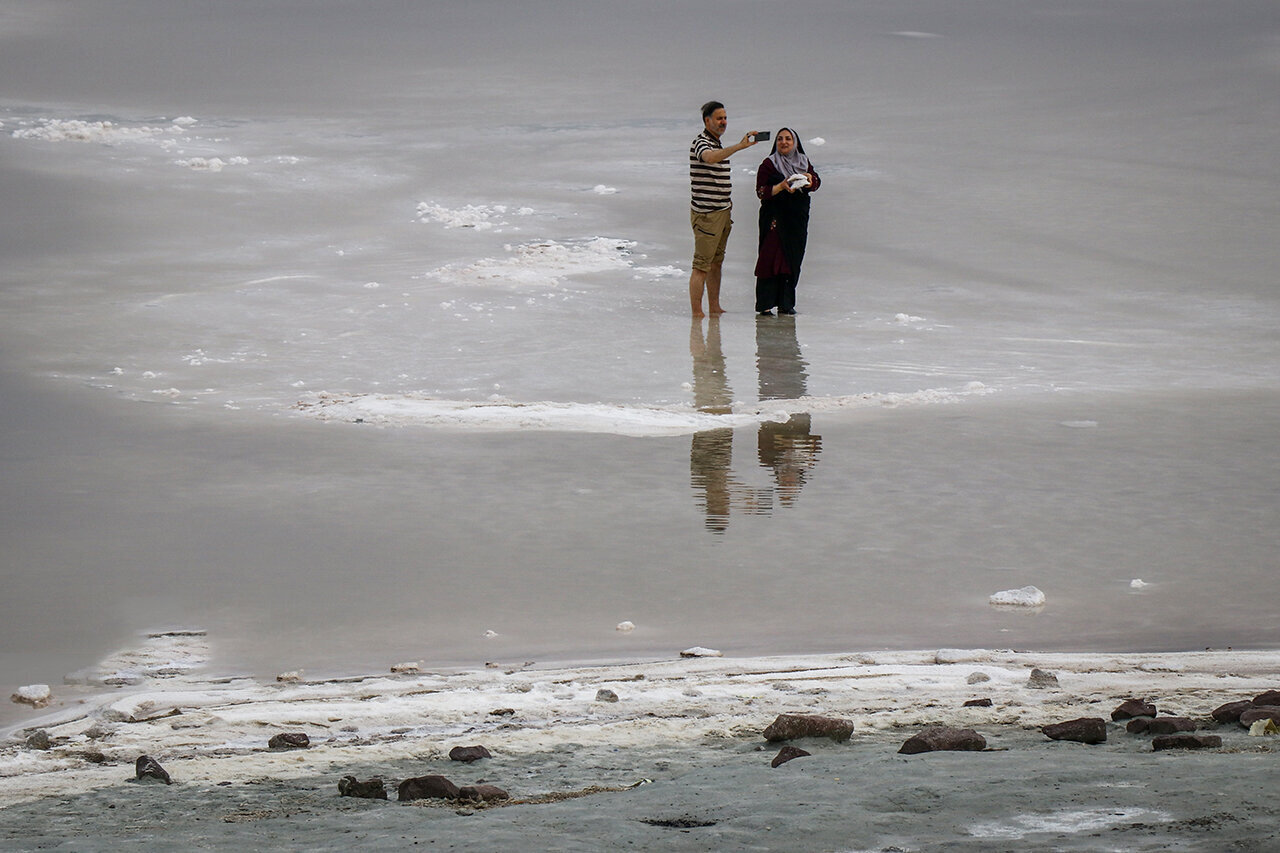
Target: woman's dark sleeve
(766,177)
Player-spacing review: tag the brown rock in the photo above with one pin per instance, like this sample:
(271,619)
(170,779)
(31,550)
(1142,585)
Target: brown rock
(795,726)
(147,767)
(468,754)
(786,754)
(1260,712)
(1170,725)
(289,740)
(427,788)
(978,703)
(944,738)
(1186,741)
(1230,712)
(350,786)
(482,793)
(1130,708)
(1089,730)
(1271,697)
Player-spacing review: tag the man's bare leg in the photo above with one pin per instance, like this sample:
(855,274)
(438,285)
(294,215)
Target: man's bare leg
(713,290)
(698,280)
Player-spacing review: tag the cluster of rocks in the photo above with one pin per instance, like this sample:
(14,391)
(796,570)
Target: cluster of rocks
(1170,732)
(433,787)
(1261,715)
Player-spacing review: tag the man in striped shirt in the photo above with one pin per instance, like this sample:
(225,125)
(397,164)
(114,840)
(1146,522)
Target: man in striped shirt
(712,205)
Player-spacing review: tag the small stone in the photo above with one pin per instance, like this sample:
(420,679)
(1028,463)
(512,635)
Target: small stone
(93,756)
(502,712)
(942,739)
(1130,708)
(1230,712)
(289,740)
(427,788)
(786,754)
(1091,730)
(468,754)
(373,789)
(977,678)
(35,695)
(482,793)
(604,695)
(292,677)
(978,703)
(1042,680)
(411,667)
(795,726)
(39,739)
(147,767)
(1186,741)
(1168,725)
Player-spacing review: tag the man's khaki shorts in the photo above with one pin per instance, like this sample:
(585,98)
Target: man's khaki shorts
(710,236)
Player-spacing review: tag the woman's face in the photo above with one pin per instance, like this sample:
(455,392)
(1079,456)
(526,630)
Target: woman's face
(786,143)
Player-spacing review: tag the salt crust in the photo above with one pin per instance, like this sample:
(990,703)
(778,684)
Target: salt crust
(207,729)
(633,420)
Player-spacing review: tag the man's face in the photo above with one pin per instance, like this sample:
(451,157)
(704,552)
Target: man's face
(717,122)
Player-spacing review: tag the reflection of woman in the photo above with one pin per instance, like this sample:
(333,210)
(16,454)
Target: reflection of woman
(783,183)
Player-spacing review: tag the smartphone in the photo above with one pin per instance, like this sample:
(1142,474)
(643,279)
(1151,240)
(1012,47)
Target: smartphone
(762,136)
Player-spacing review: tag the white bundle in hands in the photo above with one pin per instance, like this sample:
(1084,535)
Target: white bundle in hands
(798,181)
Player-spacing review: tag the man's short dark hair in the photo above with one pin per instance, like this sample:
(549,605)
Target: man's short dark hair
(710,107)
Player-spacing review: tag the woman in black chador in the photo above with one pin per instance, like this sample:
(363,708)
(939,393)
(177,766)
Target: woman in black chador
(783,183)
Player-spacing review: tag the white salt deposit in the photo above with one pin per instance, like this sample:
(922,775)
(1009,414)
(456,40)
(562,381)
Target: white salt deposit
(817,141)
(701,652)
(1027,596)
(601,189)
(1138,583)
(541,264)
(224,722)
(626,626)
(35,695)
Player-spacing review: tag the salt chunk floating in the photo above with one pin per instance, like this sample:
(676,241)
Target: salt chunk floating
(35,695)
(626,626)
(1028,596)
(700,652)
(1138,583)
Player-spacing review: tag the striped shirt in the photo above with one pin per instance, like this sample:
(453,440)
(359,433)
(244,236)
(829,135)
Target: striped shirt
(709,181)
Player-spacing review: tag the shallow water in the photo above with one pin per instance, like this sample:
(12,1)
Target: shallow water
(1037,342)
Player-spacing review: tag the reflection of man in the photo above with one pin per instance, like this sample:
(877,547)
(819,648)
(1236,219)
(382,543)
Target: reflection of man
(711,454)
(788,448)
(711,205)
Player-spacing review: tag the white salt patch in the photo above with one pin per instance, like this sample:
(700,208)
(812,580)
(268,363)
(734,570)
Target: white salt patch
(701,652)
(490,634)
(163,654)
(818,141)
(1083,820)
(1027,596)
(482,217)
(1138,583)
(542,264)
(75,130)
(203,164)
(601,189)
(626,626)
(1080,424)
(906,319)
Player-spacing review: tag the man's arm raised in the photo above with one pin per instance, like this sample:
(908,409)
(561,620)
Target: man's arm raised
(715,155)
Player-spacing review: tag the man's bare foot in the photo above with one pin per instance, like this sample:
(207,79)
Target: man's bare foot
(716,309)
(698,315)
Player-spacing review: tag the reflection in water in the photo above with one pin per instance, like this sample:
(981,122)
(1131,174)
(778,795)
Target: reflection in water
(711,455)
(788,448)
